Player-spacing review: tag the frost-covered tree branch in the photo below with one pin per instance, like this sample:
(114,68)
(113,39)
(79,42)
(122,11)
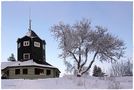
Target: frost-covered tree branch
(122,68)
(80,41)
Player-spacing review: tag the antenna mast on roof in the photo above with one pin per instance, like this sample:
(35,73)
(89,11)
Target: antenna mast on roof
(29,19)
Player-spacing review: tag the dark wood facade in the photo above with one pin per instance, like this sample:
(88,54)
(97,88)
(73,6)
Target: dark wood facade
(35,48)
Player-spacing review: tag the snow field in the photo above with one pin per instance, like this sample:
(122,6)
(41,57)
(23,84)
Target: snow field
(69,82)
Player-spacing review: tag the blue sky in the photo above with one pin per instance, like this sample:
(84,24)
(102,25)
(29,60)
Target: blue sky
(116,16)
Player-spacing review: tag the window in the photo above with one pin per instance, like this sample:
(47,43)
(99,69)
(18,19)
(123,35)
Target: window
(7,72)
(26,56)
(43,46)
(48,72)
(17,71)
(38,71)
(36,44)
(26,43)
(19,45)
(57,74)
(25,71)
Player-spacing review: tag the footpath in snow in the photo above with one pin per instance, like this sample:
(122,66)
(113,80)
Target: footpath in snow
(69,82)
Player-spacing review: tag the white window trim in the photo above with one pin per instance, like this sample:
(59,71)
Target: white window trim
(26,43)
(36,44)
(26,54)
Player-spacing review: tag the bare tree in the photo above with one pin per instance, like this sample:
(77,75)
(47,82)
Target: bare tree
(80,40)
(122,68)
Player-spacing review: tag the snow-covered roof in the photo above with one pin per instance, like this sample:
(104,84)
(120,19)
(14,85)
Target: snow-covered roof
(24,63)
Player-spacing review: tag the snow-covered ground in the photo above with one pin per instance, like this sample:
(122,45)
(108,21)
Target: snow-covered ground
(69,82)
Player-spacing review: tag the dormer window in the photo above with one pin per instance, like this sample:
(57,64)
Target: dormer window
(36,44)
(26,43)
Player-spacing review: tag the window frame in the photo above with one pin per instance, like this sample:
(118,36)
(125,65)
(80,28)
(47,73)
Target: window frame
(26,43)
(57,74)
(24,54)
(48,72)
(25,71)
(38,71)
(17,71)
(36,44)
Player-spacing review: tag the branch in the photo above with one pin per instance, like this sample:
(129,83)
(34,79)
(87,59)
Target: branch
(90,63)
(79,61)
(109,57)
(86,55)
(73,56)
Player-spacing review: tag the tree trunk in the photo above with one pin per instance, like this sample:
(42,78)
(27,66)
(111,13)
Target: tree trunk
(78,75)
(90,63)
